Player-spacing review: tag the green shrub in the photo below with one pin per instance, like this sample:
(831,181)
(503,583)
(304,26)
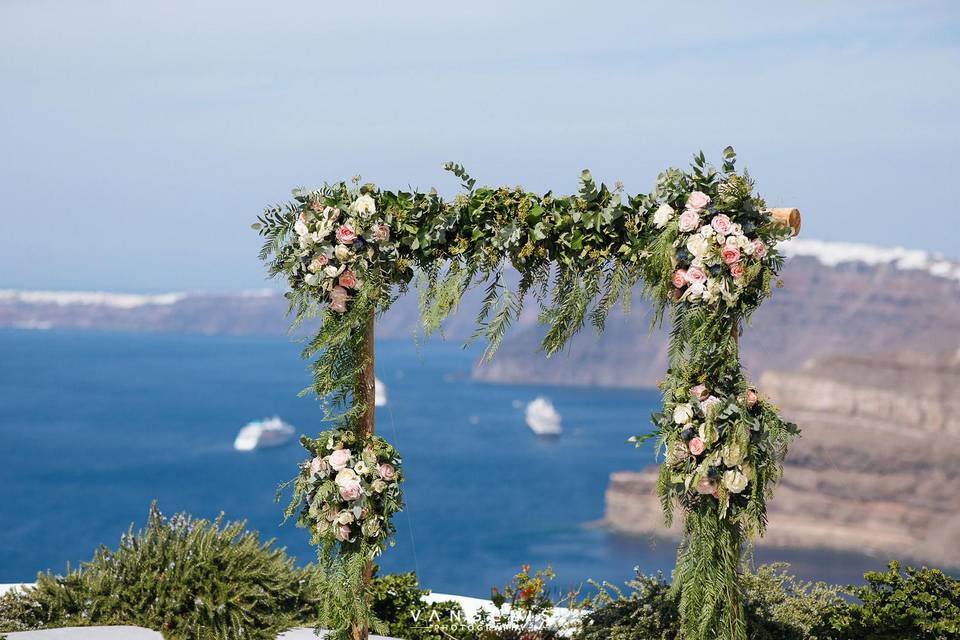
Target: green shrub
(397,601)
(924,604)
(780,607)
(183,577)
(777,606)
(646,612)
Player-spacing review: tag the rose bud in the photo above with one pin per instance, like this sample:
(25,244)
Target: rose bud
(751,398)
(706,486)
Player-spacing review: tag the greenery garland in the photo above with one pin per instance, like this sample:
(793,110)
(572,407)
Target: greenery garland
(705,250)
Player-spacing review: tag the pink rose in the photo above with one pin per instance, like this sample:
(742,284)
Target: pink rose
(350,490)
(721,224)
(689,220)
(697,201)
(339,305)
(736,270)
(706,486)
(679,278)
(696,446)
(339,459)
(386,471)
(319,262)
(381,233)
(699,392)
(317,465)
(759,249)
(338,293)
(696,275)
(709,403)
(345,234)
(751,398)
(342,533)
(348,279)
(729,254)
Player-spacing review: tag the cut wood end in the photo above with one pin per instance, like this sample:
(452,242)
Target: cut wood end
(788,217)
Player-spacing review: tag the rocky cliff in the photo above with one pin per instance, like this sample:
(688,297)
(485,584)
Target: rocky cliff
(875,469)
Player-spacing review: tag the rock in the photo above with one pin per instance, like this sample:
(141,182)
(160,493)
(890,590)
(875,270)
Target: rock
(874,470)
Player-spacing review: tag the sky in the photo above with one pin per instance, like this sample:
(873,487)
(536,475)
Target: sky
(139,140)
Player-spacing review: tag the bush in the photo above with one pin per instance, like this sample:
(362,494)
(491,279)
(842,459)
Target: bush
(924,604)
(183,577)
(647,612)
(397,601)
(777,606)
(780,607)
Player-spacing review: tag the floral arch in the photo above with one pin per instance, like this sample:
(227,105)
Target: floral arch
(703,244)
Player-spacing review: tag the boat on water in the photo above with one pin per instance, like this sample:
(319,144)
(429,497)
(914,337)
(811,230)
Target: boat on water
(379,393)
(542,417)
(270,432)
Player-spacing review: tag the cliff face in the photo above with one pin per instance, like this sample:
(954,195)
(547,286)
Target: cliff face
(874,470)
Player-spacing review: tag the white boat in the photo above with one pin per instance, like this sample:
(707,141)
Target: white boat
(379,393)
(271,432)
(542,418)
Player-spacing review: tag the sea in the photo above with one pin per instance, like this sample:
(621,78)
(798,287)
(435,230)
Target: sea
(94,426)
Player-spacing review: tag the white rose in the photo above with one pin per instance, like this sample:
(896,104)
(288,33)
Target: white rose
(707,231)
(682,413)
(342,252)
(736,229)
(312,279)
(331,271)
(734,481)
(365,205)
(344,517)
(695,290)
(697,245)
(345,477)
(663,216)
(300,228)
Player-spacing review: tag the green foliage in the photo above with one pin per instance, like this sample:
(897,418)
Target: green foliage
(781,607)
(398,599)
(647,612)
(188,579)
(921,604)
(778,606)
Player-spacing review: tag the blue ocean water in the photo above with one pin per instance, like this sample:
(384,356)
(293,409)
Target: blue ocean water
(93,426)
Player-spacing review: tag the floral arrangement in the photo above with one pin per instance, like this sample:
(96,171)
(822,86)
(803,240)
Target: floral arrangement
(345,494)
(348,490)
(705,249)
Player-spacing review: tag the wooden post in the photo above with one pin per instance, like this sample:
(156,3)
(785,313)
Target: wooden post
(364,391)
(787,217)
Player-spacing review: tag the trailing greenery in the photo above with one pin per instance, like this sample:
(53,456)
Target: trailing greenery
(706,249)
(189,579)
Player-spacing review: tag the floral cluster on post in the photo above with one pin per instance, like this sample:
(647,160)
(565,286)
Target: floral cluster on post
(348,490)
(336,246)
(715,257)
(697,455)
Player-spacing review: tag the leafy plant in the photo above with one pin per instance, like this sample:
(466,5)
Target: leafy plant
(398,599)
(187,578)
(921,604)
